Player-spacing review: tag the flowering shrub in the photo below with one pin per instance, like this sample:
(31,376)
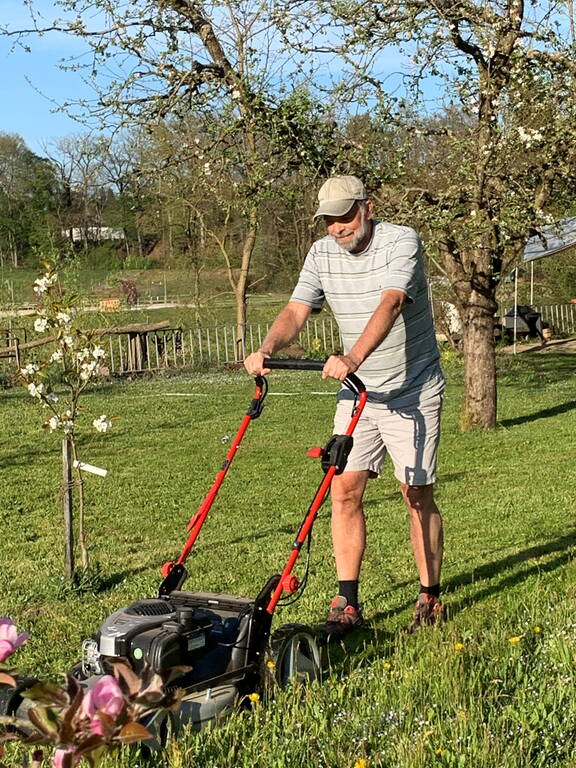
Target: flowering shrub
(83,723)
(75,361)
(76,358)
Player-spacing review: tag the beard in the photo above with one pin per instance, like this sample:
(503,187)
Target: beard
(361,236)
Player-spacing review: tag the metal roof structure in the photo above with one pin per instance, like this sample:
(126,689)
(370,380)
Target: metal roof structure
(553,239)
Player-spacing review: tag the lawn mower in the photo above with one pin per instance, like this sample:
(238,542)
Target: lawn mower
(224,642)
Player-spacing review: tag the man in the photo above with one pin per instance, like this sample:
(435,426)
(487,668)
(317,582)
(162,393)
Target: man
(371,273)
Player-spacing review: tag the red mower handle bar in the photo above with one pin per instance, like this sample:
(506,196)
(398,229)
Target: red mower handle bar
(287,582)
(303,364)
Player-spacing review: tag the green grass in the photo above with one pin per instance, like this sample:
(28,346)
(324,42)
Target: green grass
(461,695)
(216,301)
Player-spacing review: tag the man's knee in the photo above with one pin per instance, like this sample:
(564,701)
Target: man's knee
(347,489)
(419,497)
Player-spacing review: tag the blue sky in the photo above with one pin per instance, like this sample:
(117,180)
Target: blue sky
(30,109)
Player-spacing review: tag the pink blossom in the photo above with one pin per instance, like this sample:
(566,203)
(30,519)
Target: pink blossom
(10,639)
(105,698)
(58,759)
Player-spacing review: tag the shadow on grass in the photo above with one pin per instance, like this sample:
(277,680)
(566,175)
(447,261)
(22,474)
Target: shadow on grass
(543,414)
(562,544)
(540,369)
(113,579)
(28,452)
(372,640)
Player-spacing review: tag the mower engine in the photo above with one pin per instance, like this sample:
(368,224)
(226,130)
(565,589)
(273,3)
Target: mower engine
(151,632)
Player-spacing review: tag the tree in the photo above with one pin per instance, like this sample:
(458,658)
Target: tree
(486,169)
(218,62)
(27,198)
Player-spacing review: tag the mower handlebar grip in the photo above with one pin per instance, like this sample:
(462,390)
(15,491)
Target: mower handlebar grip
(304,364)
(294,363)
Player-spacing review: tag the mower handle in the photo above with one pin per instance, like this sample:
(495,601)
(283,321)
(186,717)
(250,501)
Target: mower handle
(304,364)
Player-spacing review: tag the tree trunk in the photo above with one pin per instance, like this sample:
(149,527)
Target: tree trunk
(241,286)
(479,409)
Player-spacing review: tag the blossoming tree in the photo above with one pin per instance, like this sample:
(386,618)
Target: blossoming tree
(482,100)
(57,383)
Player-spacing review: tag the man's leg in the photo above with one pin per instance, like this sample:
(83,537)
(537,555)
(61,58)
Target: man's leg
(349,541)
(425,531)
(428,546)
(348,524)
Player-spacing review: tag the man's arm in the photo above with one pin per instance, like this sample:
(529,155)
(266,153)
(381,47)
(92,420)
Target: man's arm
(377,328)
(287,325)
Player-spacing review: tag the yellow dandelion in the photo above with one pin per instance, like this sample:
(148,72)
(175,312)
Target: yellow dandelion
(441,751)
(361,763)
(515,639)
(387,666)
(254,697)
(458,646)
(537,629)
(271,664)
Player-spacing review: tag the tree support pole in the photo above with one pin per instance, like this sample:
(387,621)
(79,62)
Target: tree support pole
(67,506)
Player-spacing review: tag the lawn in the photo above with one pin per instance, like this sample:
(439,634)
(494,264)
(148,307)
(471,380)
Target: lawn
(492,687)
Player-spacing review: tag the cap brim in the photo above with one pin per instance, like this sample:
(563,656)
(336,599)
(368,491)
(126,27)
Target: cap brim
(334,207)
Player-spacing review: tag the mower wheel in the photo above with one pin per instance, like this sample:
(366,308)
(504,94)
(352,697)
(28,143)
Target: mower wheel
(294,655)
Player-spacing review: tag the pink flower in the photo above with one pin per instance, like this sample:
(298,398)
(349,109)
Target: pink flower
(10,639)
(106,697)
(58,759)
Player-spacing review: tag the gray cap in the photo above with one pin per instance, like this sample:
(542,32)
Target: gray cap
(338,195)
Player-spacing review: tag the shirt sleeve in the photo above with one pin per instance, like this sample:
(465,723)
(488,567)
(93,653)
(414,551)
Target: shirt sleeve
(405,264)
(309,289)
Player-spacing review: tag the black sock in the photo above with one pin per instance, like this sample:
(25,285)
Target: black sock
(433,591)
(349,590)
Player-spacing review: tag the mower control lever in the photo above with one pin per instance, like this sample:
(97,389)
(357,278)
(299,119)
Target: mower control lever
(303,364)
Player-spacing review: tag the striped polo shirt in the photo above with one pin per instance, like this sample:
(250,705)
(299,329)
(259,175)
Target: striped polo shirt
(404,370)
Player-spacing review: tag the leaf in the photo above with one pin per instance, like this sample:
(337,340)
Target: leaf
(47,693)
(94,758)
(91,744)
(6,679)
(67,726)
(44,720)
(8,736)
(133,732)
(126,677)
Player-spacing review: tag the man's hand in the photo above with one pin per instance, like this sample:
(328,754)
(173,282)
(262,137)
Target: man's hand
(255,364)
(339,366)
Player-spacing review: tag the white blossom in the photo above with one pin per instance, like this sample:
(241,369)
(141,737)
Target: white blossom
(98,352)
(51,397)
(83,354)
(207,169)
(42,284)
(529,136)
(29,369)
(87,369)
(64,319)
(56,356)
(102,424)
(53,423)
(68,340)
(40,324)
(36,390)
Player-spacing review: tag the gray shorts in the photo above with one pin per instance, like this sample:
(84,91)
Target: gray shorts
(410,435)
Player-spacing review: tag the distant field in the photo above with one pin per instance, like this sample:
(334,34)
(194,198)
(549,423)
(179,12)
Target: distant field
(215,305)
(492,688)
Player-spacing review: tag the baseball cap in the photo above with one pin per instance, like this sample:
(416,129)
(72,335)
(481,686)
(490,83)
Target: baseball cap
(338,195)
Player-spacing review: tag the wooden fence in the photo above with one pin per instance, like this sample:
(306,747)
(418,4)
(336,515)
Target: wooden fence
(148,349)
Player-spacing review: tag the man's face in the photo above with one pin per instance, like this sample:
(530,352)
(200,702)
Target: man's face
(353,230)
